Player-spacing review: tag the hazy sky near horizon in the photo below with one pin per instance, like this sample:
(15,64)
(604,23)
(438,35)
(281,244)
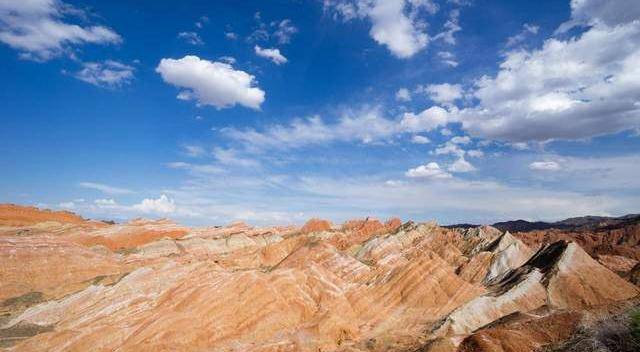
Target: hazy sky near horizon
(274,112)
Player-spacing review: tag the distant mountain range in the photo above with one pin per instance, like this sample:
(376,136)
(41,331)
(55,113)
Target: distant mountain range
(588,222)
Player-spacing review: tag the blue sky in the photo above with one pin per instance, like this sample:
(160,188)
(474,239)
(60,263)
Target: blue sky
(275,112)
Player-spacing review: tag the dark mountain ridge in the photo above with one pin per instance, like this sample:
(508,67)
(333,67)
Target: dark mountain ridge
(580,223)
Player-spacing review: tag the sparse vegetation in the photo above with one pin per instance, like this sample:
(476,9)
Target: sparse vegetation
(620,333)
(635,326)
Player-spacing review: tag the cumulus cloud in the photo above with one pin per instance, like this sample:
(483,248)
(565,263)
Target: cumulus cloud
(544,166)
(271,54)
(105,74)
(444,93)
(162,205)
(583,86)
(426,120)
(607,12)
(394,23)
(391,27)
(105,188)
(429,171)
(211,83)
(192,38)
(403,94)
(449,148)
(461,165)
(40,29)
(452,147)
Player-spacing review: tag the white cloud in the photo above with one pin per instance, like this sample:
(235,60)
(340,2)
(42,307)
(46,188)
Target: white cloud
(594,174)
(403,94)
(202,21)
(228,59)
(394,23)
(451,27)
(606,12)
(429,171)
(393,183)
(392,27)
(105,74)
(365,126)
(475,153)
(271,54)
(519,145)
(452,147)
(448,58)
(580,87)
(192,38)
(201,169)
(162,205)
(40,30)
(545,166)
(527,29)
(105,188)
(425,121)
(231,35)
(259,197)
(211,83)
(284,32)
(105,202)
(449,148)
(281,31)
(461,165)
(443,93)
(418,139)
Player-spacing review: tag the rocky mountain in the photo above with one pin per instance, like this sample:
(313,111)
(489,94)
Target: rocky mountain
(576,223)
(71,284)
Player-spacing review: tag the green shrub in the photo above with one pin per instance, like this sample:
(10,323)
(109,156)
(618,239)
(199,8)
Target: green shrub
(635,325)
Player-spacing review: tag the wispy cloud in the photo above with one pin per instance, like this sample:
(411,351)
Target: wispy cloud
(109,74)
(192,38)
(271,54)
(41,30)
(106,189)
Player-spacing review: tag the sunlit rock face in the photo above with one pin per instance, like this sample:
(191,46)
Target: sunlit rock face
(71,284)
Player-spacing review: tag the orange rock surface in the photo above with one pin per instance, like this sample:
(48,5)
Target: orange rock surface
(15,215)
(316,225)
(365,286)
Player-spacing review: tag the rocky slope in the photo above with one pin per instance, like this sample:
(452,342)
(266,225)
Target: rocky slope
(70,284)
